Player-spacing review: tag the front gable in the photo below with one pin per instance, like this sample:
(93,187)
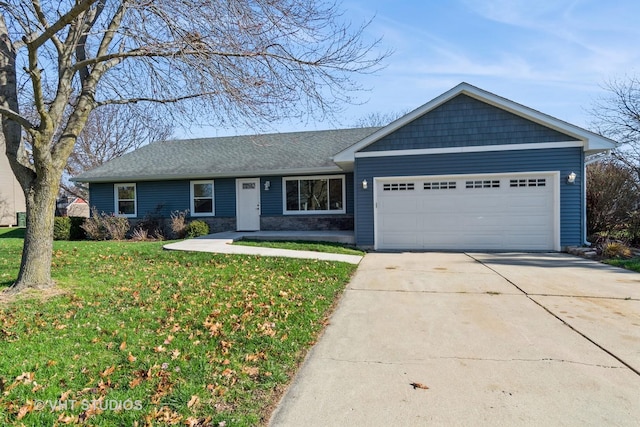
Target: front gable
(464,121)
(467,118)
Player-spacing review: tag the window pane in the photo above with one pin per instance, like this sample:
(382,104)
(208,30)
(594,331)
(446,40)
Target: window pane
(203,190)
(203,205)
(292,196)
(126,192)
(314,194)
(126,208)
(335,194)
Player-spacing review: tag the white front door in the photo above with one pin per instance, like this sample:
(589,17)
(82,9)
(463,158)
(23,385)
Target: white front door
(248,204)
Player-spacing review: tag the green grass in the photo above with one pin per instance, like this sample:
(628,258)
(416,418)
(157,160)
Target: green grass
(171,336)
(630,264)
(300,245)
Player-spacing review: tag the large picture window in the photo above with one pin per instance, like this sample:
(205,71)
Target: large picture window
(314,194)
(202,198)
(125,197)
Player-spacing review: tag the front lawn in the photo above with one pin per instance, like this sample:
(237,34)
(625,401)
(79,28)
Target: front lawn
(142,336)
(630,264)
(300,245)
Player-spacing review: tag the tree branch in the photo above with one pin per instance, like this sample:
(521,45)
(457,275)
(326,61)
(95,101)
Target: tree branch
(79,8)
(23,121)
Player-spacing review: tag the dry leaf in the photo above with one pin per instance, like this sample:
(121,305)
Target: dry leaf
(193,401)
(24,410)
(108,371)
(419,385)
(123,345)
(131,358)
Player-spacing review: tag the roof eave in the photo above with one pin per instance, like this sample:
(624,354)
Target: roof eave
(241,174)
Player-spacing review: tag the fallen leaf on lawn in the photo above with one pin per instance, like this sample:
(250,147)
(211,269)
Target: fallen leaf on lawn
(123,345)
(419,385)
(108,371)
(168,340)
(131,358)
(228,372)
(135,382)
(66,419)
(252,371)
(51,363)
(175,354)
(25,410)
(193,401)
(159,349)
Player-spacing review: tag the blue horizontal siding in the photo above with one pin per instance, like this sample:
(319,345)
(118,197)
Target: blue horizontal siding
(565,160)
(225,197)
(163,197)
(465,121)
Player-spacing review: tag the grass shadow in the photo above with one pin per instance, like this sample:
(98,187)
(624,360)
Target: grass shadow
(12,233)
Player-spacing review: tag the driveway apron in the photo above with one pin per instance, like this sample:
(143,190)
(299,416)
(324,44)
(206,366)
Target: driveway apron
(475,339)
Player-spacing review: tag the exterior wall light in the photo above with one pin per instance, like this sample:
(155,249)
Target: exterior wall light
(364,184)
(571,178)
(267,185)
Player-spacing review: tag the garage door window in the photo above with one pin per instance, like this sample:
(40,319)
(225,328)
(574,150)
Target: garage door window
(446,185)
(483,184)
(314,194)
(530,182)
(399,186)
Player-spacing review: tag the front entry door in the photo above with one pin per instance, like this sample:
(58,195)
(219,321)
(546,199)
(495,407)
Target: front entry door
(248,205)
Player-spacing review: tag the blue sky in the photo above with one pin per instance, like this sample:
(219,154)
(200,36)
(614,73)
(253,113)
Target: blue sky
(551,55)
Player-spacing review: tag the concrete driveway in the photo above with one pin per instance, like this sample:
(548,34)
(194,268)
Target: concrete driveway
(498,339)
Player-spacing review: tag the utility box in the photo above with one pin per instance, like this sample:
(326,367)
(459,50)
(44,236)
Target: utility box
(22,219)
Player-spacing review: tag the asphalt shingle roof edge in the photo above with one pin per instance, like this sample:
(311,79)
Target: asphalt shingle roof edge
(247,155)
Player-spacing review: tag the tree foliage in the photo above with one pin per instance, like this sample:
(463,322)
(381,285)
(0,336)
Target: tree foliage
(223,62)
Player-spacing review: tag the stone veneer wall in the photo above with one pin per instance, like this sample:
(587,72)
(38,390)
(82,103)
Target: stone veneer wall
(307,222)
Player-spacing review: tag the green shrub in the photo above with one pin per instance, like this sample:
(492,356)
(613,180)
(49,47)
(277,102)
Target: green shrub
(197,228)
(61,228)
(77,232)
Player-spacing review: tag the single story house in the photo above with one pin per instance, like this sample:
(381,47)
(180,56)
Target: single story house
(467,170)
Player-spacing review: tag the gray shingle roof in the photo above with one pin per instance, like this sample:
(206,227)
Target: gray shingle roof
(251,155)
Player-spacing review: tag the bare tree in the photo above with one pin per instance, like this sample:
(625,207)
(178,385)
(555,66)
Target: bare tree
(236,61)
(378,119)
(612,196)
(617,116)
(110,132)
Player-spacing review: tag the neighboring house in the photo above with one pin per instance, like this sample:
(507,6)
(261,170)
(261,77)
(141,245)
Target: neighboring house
(74,206)
(467,170)
(11,195)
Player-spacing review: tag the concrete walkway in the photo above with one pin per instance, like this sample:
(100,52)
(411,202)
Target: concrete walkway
(222,243)
(498,339)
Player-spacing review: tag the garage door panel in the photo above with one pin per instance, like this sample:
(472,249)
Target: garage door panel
(500,217)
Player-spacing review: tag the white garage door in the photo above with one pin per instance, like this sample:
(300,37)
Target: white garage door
(493,212)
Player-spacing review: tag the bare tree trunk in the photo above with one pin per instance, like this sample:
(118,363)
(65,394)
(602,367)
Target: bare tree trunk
(35,268)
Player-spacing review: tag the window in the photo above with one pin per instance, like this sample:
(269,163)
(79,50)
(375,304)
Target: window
(483,184)
(202,198)
(125,197)
(314,194)
(444,185)
(400,186)
(531,182)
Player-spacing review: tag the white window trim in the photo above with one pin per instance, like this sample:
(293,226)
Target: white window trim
(116,199)
(213,198)
(316,212)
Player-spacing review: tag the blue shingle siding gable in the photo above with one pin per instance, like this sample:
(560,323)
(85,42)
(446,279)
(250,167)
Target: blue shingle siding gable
(565,160)
(465,121)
